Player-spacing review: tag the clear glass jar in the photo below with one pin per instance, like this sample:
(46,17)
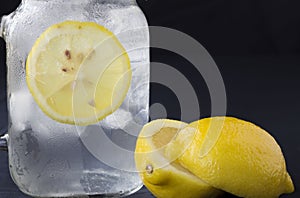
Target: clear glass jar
(51,159)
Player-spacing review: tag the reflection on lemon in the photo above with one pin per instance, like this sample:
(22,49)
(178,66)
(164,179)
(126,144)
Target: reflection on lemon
(162,178)
(245,161)
(78,72)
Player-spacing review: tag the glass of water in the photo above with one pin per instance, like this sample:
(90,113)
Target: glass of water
(48,158)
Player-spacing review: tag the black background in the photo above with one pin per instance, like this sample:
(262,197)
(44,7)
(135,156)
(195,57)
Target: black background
(256,45)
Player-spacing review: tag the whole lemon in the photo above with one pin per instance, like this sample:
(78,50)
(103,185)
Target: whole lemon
(233,155)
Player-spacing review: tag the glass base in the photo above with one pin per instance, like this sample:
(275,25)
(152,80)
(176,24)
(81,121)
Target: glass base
(70,195)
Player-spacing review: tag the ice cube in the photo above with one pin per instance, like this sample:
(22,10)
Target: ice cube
(21,105)
(118,120)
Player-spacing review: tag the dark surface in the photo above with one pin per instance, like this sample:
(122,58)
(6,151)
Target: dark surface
(255,44)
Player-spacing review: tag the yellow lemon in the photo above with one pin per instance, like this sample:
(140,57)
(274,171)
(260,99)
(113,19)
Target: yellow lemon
(163,178)
(245,160)
(78,72)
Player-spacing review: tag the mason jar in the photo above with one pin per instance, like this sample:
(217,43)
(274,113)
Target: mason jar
(54,159)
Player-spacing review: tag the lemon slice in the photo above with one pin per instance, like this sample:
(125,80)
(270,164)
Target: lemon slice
(78,72)
(164,178)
